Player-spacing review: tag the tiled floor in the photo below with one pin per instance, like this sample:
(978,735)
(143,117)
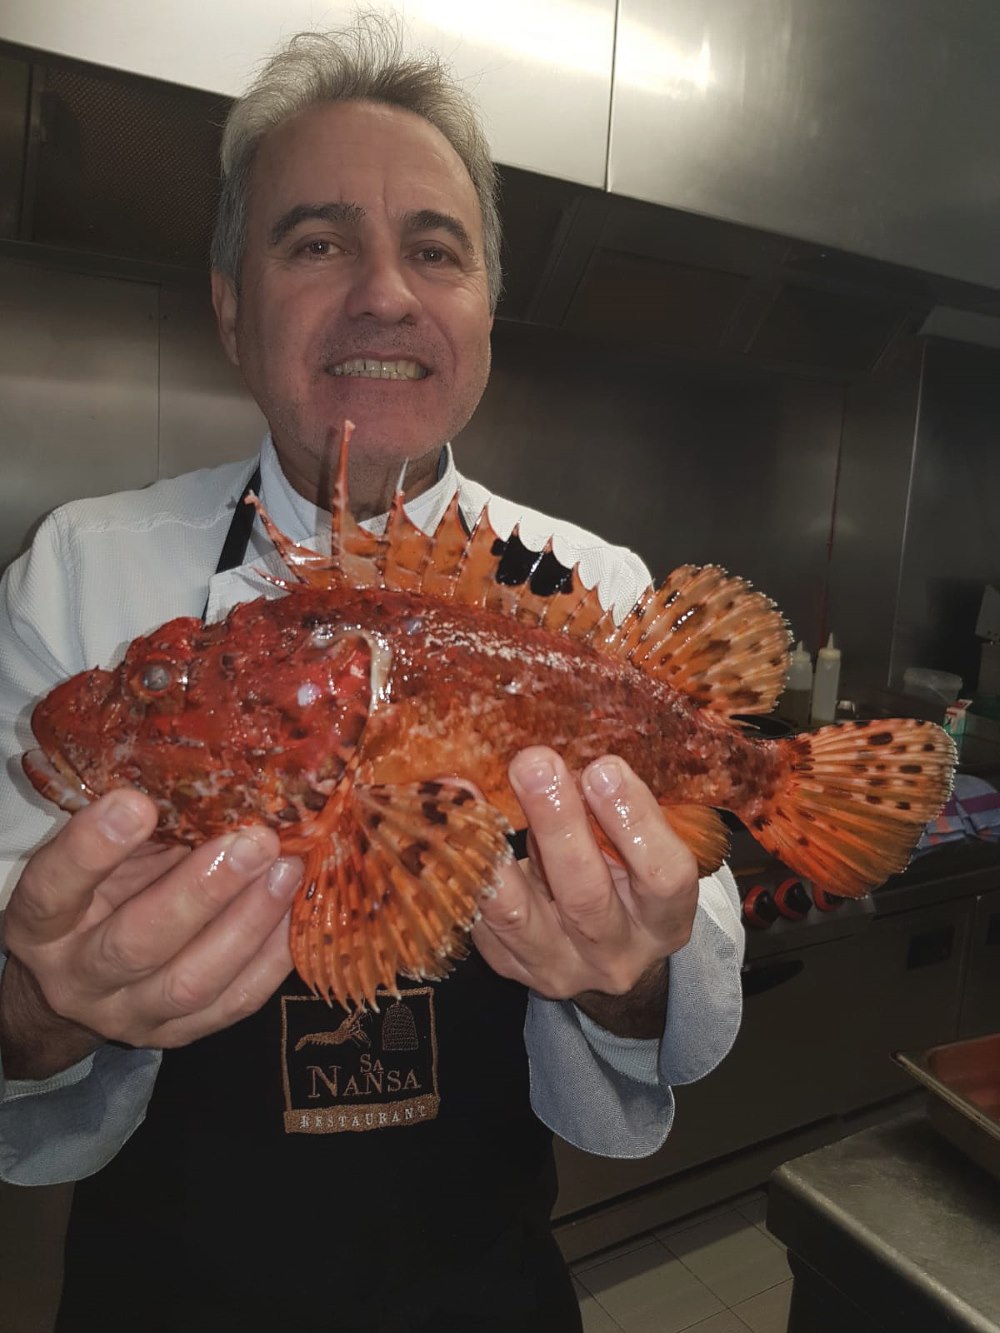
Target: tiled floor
(720,1271)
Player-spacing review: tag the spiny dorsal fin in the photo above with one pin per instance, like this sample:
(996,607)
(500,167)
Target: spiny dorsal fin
(354,552)
(447,550)
(703,632)
(406,549)
(709,635)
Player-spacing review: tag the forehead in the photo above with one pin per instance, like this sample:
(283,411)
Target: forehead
(362,153)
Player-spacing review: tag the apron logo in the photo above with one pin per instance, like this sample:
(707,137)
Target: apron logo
(365,1071)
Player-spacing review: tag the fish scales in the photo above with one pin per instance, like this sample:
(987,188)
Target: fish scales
(464,678)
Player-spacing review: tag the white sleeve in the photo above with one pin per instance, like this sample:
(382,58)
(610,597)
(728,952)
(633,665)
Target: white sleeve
(39,647)
(612,1095)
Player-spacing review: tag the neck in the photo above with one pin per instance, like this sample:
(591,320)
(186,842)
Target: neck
(371,483)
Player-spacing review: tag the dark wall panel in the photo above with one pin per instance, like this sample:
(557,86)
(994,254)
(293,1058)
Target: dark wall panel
(680,463)
(876,457)
(952,546)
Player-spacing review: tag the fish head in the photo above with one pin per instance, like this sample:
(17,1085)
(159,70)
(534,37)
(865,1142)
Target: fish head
(253,719)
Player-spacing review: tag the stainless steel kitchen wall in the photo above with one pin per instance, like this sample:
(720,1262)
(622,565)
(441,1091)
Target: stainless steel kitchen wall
(880,422)
(869,125)
(540,70)
(78,391)
(105,385)
(952,543)
(680,461)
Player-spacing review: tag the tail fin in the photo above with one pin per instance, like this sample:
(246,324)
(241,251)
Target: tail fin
(855,800)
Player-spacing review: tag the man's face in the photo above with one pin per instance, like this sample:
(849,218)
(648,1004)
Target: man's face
(364,259)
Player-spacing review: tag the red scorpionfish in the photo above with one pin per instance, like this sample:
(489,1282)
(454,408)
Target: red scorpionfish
(331,714)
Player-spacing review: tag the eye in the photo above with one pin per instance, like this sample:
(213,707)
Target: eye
(155,678)
(434,254)
(319,247)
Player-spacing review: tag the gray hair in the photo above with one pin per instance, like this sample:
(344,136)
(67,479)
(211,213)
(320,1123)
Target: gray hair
(365,63)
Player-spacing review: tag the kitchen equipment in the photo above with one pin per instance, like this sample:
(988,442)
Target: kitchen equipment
(937,686)
(963,1079)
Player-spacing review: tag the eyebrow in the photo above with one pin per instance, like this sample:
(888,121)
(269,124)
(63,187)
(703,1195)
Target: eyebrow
(337,213)
(428,219)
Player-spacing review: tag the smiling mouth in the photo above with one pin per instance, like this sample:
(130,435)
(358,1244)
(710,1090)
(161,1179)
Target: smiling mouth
(368,368)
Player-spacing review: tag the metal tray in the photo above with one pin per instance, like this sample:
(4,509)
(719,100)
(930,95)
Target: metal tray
(963,1078)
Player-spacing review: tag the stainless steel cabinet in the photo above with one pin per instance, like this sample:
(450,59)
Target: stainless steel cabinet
(539,69)
(867,125)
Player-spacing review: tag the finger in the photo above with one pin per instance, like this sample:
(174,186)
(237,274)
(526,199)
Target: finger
(202,972)
(574,866)
(151,928)
(498,956)
(517,932)
(252,987)
(59,881)
(662,873)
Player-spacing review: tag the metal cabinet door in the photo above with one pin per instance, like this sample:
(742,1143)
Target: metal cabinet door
(909,991)
(787,1068)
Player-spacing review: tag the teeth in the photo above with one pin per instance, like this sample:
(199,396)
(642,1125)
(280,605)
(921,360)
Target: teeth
(369,369)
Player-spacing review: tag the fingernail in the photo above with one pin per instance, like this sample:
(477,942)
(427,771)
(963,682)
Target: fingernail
(246,854)
(284,877)
(538,775)
(604,778)
(120,820)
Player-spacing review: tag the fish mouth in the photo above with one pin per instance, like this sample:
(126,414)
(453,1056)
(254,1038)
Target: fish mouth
(53,777)
(378,368)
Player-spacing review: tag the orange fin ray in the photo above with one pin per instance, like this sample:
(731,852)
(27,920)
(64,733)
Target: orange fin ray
(447,550)
(855,801)
(577,611)
(356,557)
(702,831)
(305,565)
(711,636)
(477,564)
(398,884)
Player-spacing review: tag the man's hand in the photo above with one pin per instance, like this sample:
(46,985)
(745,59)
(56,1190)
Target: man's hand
(572,925)
(111,937)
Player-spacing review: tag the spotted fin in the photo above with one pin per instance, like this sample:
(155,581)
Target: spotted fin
(395,888)
(855,800)
(709,635)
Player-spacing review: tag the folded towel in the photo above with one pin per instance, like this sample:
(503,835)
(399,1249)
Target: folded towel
(972,811)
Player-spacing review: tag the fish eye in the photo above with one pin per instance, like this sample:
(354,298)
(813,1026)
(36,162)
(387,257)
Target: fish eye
(155,678)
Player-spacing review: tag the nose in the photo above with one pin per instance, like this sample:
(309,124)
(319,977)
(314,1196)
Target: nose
(381,288)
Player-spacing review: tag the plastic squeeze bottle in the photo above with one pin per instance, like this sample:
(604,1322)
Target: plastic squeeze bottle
(796,702)
(826,683)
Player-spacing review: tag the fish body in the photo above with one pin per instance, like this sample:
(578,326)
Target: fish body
(333,713)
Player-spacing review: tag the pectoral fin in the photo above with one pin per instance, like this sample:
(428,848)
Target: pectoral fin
(396,888)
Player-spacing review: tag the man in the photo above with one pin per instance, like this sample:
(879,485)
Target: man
(298,1164)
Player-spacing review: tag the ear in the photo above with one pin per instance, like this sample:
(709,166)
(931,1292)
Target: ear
(226,303)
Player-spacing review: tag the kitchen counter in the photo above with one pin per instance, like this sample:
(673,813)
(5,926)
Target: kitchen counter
(890,1230)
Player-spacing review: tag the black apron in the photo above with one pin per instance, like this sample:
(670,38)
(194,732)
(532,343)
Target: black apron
(381,1173)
